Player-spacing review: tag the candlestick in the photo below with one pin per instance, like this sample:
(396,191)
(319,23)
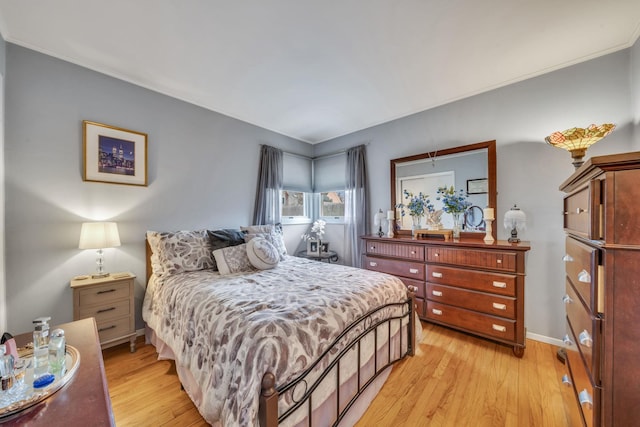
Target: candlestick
(488,237)
(489,214)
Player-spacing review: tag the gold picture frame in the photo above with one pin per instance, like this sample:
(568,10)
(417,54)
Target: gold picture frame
(114,155)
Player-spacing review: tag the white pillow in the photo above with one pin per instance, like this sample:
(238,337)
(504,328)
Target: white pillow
(232,259)
(262,254)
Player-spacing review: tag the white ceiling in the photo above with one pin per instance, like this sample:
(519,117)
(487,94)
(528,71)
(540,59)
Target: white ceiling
(318,69)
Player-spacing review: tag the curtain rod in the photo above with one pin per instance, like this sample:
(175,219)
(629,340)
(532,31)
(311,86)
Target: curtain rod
(324,156)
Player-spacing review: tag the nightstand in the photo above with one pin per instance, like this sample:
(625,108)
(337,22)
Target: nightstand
(110,301)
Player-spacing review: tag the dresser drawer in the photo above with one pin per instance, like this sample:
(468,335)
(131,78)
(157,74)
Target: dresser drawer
(577,211)
(415,283)
(107,311)
(472,321)
(412,270)
(494,260)
(587,395)
(585,328)
(496,283)
(581,265)
(396,250)
(472,300)
(104,294)
(115,328)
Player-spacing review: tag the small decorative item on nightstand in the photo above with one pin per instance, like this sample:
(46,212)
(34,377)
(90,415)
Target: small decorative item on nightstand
(110,301)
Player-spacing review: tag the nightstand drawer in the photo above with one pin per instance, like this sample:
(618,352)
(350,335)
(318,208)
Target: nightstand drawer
(115,328)
(104,294)
(106,311)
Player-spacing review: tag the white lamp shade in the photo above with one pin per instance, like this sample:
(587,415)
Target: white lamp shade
(378,217)
(99,235)
(515,218)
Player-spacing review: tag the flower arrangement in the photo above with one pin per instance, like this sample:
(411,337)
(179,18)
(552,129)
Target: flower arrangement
(317,229)
(418,205)
(453,202)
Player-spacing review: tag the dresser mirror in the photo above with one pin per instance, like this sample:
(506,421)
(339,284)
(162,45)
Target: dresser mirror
(471,168)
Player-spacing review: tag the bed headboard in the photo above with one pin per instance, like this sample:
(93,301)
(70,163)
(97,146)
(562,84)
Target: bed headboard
(148,260)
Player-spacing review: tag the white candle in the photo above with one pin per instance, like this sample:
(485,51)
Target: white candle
(488,213)
(391,215)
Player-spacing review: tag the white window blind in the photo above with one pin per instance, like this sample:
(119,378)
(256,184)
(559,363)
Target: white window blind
(329,173)
(296,173)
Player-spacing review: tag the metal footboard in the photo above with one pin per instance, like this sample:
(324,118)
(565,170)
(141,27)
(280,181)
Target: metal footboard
(350,339)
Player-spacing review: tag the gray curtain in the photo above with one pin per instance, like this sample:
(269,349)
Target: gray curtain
(356,204)
(267,207)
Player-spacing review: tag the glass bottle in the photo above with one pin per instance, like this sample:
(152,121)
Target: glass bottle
(41,347)
(57,353)
(6,369)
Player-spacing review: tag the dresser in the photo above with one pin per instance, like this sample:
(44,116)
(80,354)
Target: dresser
(602,289)
(110,301)
(463,284)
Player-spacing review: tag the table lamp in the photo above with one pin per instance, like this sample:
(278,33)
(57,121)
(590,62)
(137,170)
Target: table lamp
(515,220)
(377,219)
(99,235)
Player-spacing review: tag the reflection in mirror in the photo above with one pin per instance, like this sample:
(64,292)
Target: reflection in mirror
(471,168)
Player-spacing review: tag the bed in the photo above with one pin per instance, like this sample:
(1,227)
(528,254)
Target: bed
(260,341)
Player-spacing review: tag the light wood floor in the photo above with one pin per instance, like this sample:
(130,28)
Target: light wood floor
(454,380)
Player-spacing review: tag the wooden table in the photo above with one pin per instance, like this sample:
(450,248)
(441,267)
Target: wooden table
(84,400)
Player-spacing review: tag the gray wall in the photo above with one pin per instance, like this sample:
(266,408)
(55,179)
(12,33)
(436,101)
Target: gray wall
(3,318)
(202,173)
(529,171)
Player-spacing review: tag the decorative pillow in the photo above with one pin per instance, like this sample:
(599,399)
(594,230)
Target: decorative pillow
(272,233)
(232,259)
(180,251)
(262,254)
(224,238)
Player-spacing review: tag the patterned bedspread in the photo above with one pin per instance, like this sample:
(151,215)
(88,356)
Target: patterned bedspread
(230,330)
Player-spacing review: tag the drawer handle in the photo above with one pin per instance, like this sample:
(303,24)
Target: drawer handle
(580,210)
(373,264)
(566,380)
(585,339)
(567,299)
(104,310)
(499,306)
(585,399)
(436,311)
(436,293)
(413,252)
(499,284)
(436,254)
(412,288)
(107,328)
(584,277)
(436,274)
(106,292)
(413,270)
(499,328)
(373,248)
(499,261)
(567,258)
(567,341)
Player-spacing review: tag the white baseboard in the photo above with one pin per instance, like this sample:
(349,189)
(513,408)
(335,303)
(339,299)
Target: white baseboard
(139,332)
(545,339)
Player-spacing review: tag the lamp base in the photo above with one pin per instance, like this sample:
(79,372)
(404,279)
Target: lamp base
(488,237)
(100,275)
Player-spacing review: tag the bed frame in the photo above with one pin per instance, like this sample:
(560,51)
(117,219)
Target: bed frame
(270,394)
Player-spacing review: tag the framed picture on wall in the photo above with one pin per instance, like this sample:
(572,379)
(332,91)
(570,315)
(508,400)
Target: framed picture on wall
(477,186)
(114,155)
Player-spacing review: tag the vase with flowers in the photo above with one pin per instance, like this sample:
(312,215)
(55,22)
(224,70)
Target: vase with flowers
(455,203)
(416,206)
(314,236)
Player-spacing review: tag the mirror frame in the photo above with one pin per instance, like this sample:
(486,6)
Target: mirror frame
(491,172)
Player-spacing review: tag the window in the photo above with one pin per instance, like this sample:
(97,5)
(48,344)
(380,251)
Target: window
(295,207)
(332,205)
